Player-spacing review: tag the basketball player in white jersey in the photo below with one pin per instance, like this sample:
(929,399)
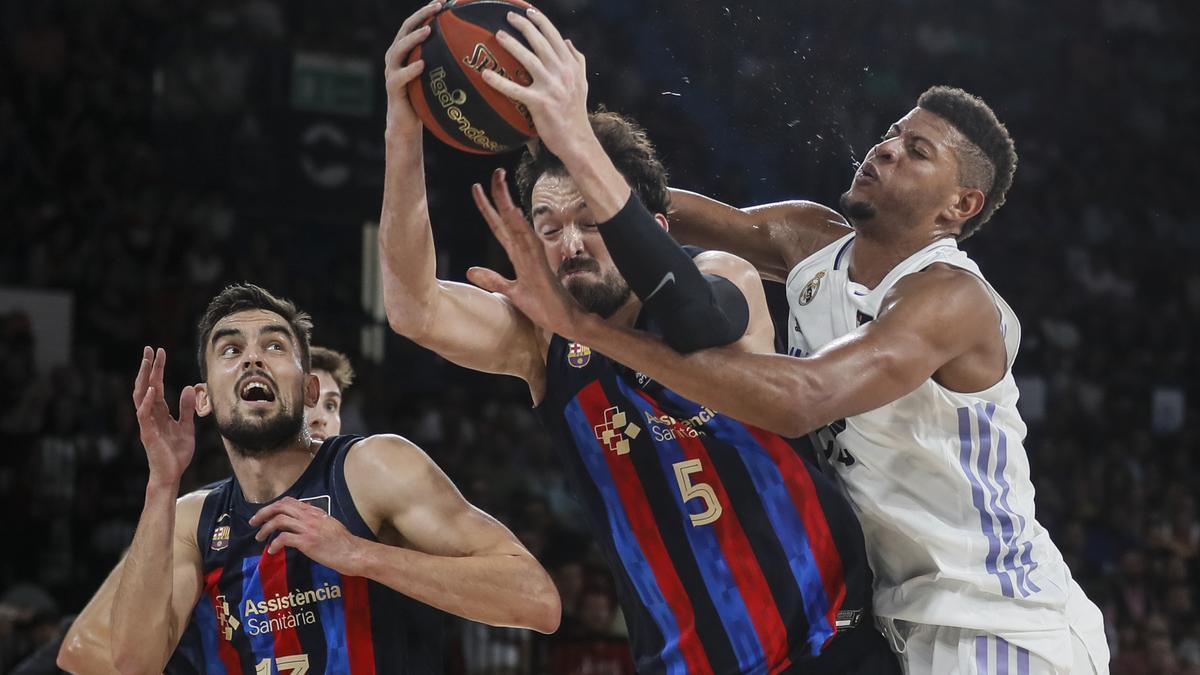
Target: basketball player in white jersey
(902,359)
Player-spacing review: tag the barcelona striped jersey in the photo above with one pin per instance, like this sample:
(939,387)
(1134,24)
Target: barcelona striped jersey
(731,551)
(284,613)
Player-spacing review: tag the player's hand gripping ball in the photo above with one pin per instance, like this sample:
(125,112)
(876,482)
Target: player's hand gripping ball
(451,97)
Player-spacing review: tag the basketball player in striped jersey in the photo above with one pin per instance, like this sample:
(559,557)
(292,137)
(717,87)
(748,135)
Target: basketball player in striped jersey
(901,355)
(86,646)
(731,551)
(327,557)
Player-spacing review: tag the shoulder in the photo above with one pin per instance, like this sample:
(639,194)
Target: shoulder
(188,509)
(386,460)
(941,296)
(728,265)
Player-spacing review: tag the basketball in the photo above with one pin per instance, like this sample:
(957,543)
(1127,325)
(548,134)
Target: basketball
(450,96)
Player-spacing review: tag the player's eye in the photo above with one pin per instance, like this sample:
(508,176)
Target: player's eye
(277,346)
(551,231)
(229,350)
(331,407)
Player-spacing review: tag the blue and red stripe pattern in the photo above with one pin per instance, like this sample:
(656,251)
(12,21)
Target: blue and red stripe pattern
(720,535)
(283,612)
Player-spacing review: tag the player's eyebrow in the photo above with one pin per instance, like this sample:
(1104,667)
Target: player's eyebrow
(225,332)
(540,209)
(276,328)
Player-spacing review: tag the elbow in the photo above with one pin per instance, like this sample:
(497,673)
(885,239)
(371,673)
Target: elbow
(543,611)
(547,614)
(71,656)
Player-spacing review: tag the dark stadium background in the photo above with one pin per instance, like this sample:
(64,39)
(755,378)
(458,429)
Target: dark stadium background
(153,151)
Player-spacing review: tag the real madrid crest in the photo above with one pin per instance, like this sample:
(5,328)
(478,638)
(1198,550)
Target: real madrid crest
(810,289)
(220,537)
(578,355)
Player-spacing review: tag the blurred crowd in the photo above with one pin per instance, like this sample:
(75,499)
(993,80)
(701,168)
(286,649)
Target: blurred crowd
(153,151)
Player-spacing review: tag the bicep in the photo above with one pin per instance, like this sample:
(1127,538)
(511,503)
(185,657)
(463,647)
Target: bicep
(482,331)
(760,331)
(925,323)
(187,568)
(416,499)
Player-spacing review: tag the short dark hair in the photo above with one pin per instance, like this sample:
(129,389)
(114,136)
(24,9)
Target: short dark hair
(242,297)
(626,144)
(336,364)
(991,159)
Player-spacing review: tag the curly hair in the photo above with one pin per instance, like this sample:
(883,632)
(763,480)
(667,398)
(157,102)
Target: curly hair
(241,297)
(626,144)
(988,160)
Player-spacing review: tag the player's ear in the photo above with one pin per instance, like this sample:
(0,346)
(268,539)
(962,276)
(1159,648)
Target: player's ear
(203,402)
(662,221)
(312,390)
(967,205)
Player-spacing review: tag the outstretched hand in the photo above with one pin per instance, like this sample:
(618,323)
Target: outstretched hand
(557,97)
(169,443)
(536,291)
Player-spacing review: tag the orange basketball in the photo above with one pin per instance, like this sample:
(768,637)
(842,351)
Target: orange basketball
(450,96)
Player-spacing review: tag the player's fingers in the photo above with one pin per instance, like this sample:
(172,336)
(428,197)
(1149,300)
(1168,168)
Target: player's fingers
(287,505)
(279,523)
(157,368)
(508,87)
(491,216)
(489,280)
(187,410)
(287,539)
(550,31)
(143,377)
(414,20)
(399,51)
(502,198)
(577,55)
(398,80)
(545,52)
(532,62)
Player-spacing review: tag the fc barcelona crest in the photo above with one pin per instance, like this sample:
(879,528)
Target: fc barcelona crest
(810,289)
(578,355)
(220,537)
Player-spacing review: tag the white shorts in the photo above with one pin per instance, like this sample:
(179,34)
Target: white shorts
(925,649)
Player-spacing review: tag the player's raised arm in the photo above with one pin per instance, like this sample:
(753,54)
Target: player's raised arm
(470,327)
(456,558)
(161,579)
(773,237)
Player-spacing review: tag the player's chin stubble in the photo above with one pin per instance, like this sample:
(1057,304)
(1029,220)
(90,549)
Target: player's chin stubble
(856,210)
(602,297)
(254,438)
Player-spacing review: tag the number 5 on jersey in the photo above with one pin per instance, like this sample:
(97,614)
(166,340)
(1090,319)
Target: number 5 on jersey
(690,490)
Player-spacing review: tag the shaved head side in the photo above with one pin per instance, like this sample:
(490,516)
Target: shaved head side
(986,155)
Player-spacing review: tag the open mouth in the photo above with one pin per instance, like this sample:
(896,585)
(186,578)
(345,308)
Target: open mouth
(257,390)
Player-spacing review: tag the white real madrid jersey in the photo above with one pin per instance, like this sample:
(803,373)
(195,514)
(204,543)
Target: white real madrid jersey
(940,479)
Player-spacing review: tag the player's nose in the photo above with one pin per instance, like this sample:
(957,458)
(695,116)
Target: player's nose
(571,241)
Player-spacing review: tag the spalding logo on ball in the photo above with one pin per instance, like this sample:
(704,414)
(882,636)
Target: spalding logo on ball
(450,96)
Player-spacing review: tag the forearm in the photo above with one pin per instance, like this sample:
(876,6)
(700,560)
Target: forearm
(141,611)
(406,250)
(601,184)
(499,590)
(775,392)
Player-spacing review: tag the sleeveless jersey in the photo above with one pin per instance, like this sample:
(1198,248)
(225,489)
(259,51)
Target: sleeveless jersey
(285,613)
(940,479)
(731,552)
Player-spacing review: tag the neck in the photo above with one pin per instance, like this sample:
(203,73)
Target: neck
(265,477)
(627,315)
(878,248)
